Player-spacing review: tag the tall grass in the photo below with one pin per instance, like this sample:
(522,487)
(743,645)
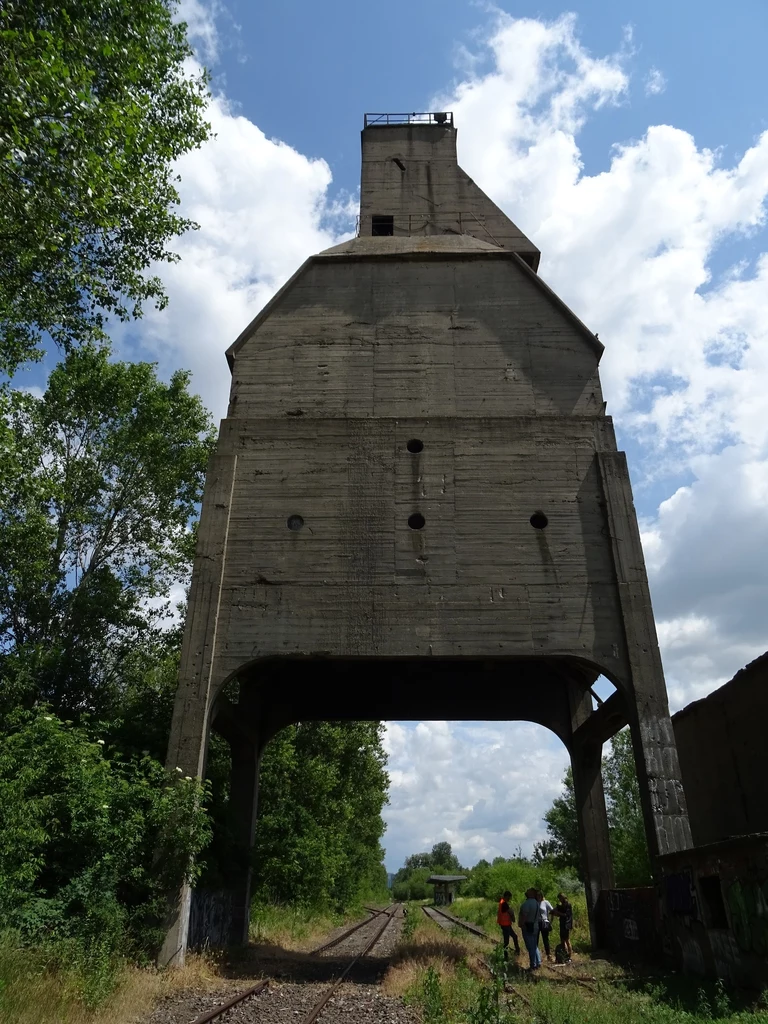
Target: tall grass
(35,989)
(441,973)
(296,927)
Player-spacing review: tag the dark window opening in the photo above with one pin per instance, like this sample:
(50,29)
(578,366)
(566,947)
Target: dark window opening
(414,446)
(382,225)
(712,895)
(416,521)
(538,521)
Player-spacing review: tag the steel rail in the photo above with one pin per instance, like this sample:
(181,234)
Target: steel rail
(219,1011)
(349,931)
(463,924)
(213,1014)
(319,1006)
(430,916)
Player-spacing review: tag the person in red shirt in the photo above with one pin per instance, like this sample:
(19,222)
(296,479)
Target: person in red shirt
(505,918)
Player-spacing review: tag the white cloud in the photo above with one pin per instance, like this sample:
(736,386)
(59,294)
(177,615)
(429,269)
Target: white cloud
(202,32)
(655,83)
(263,208)
(482,786)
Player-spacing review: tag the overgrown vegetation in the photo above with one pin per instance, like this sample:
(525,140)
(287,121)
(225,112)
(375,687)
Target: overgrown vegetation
(100,477)
(485,881)
(458,979)
(322,786)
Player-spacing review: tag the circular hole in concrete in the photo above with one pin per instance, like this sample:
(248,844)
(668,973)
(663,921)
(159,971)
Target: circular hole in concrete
(538,520)
(294,522)
(416,521)
(414,446)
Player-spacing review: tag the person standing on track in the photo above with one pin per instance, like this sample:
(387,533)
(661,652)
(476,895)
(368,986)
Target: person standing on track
(505,918)
(529,926)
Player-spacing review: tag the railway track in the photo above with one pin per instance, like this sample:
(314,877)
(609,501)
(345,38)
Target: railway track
(448,921)
(234,1008)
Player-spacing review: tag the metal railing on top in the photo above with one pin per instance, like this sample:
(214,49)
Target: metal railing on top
(440,117)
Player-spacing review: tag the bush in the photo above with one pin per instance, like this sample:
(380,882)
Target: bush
(91,846)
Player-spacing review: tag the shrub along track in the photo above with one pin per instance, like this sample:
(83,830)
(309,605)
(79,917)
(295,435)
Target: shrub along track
(304,999)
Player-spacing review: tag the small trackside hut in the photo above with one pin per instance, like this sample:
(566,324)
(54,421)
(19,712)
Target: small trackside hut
(445,888)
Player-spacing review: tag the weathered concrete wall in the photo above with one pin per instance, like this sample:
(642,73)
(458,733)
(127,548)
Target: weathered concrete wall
(722,757)
(629,923)
(315,587)
(210,919)
(416,335)
(410,172)
(715,910)
(478,579)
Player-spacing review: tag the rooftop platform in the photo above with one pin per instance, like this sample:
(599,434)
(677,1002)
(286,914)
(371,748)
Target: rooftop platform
(441,118)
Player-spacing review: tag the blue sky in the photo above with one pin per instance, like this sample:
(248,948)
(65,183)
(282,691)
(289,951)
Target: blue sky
(625,138)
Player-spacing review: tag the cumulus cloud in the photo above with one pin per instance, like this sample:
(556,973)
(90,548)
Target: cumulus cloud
(202,30)
(262,208)
(480,786)
(655,83)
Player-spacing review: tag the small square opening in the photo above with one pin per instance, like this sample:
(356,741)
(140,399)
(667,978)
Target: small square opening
(712,896)
(382,225)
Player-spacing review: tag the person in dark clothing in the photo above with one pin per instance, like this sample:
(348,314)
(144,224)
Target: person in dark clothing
(564,913)
(505,918)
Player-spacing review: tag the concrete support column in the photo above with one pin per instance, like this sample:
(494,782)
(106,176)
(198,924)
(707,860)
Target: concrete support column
(586,763)
(244,795)
(653,739)
(658,774)
(190,726)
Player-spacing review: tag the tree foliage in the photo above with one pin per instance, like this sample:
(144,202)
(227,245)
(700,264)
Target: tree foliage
(562,829)
(629,847)
(322,789)
(410,882)
(92,845)
(96,105)
(101,479)
(485,880)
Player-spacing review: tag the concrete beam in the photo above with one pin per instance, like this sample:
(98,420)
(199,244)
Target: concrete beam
(605,722)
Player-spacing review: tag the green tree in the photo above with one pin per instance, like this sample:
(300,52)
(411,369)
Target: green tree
(629,848)
(101,477)
(322,789)
(443,858)
(562,829)
(96,106)
(625,817)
